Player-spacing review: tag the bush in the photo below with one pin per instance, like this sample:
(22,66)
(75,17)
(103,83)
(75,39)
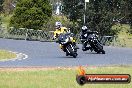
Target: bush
(31,14)
(0,21)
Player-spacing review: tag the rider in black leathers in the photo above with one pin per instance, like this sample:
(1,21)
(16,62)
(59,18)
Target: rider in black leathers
(84,35)
(85,32)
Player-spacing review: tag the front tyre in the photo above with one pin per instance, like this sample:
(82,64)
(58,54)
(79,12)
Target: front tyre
(72,51)
(100,48)
(103,52)
(75,55)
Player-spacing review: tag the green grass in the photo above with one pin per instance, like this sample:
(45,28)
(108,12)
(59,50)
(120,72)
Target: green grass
(5,55)
(5,20)
(59,78)
(124,39)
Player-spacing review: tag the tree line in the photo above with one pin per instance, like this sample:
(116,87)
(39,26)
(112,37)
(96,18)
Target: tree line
(101,15)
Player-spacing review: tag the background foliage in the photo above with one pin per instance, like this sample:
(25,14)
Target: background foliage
(1,5)
(31,14)
(101,15)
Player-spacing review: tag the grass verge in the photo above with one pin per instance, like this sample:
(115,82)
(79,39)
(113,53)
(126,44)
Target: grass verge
(56,78)
(5,20)
(124,38)
(5,55)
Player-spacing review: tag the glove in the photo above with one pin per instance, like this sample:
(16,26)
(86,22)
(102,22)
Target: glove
(53,38)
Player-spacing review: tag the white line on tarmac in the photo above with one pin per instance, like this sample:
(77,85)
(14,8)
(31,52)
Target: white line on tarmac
(19,56)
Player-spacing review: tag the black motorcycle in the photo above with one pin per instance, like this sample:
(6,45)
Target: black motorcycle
(67,44)
(92,40)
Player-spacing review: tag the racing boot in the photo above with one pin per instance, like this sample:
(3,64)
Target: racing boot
(75,46)
(84,48)
(87,48)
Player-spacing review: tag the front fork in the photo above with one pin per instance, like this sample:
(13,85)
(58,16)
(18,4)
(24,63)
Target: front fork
(62,47)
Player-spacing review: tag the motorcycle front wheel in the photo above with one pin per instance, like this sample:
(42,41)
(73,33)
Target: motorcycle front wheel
(71,51)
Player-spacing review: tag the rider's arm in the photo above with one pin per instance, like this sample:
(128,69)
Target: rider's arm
(54,37)
(95,32)
(64,30)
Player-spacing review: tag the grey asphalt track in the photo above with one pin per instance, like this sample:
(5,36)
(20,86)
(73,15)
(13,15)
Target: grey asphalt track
(49,54)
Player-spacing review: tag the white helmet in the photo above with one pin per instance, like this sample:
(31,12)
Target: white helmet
(58,24)
(84,28)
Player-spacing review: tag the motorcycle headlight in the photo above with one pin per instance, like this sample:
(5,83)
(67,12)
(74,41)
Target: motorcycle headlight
(67,40)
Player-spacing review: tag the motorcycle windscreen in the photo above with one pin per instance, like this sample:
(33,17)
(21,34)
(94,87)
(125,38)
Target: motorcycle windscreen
(62,37)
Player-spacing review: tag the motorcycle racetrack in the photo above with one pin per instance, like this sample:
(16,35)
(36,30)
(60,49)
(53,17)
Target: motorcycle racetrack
(49,54)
